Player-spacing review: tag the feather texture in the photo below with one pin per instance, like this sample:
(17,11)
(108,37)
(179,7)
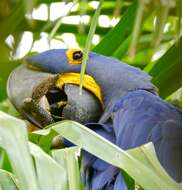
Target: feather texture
(138,118)
(134,115)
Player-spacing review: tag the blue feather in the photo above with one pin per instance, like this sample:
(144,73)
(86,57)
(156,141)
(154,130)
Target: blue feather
(134,115)
(141,117)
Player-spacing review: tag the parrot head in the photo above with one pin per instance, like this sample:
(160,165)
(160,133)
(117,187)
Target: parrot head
(114,79)
(44,98)
(57,61)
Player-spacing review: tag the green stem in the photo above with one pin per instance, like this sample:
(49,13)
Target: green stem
(58,24)
(179,17)
(89,43)
(160,24)
(137,28)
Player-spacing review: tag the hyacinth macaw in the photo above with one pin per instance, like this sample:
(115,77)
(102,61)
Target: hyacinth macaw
(133,114)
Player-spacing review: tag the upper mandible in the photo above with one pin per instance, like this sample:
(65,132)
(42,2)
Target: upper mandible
(114,77)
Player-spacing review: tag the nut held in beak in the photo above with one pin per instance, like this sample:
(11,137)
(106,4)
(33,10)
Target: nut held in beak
(36,97)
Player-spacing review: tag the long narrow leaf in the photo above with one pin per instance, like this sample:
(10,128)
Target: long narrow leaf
(146,155)
(13,138)
(167,71)
(137,28)
(89,42)
(122,49)
(100,147)
(68,158)
(117,35)
(7,181)
(58,23)
(51,176)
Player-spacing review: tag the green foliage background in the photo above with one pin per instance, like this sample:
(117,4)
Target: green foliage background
(146,28)
(147,35)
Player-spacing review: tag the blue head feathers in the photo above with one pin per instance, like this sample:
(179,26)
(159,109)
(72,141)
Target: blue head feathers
(114,77)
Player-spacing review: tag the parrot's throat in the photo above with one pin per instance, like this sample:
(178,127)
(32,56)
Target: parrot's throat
(88,83)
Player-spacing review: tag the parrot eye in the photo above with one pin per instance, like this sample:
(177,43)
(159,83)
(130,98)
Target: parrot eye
(77,55)
(74,56)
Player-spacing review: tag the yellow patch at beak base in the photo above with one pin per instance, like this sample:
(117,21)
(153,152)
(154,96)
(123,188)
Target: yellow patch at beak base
(74,78)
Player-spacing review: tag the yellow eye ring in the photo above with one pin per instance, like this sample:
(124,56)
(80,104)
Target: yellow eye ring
(74,56)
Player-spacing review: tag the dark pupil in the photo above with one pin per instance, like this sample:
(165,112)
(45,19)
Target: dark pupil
(77,55)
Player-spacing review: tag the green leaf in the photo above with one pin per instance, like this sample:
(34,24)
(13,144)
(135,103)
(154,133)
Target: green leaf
(11,22)
(161,18)
(122,49)
(59,22)
(118,34)
(128,180)
(137,28)
(13,139)
(144,175)
(68,158)
(7,181)
(50,174)
(44,141)
(89,43)
(6,67)
(4,161)
(166,72)
(146,155)
(6,106)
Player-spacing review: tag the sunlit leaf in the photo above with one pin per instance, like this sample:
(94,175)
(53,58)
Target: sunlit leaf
(50,174)
(68,158)
(7,181)
(13,138)
(166,71)
(144,173)
(89,43)
(117,35)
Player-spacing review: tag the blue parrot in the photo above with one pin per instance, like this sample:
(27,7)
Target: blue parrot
(133,114)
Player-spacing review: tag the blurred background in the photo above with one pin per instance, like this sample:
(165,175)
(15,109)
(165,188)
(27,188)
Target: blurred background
(143,33)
